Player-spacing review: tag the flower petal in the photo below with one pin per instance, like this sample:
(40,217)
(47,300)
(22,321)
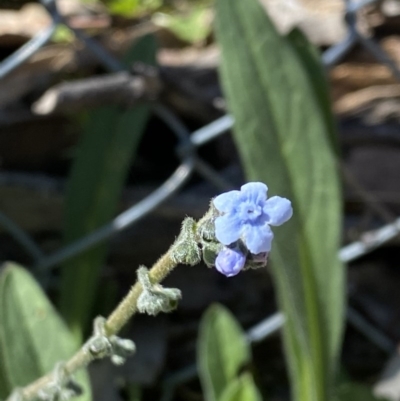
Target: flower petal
(278,210)
(254,191)
(258,238)
(230,262)
(227,228)
(227,201)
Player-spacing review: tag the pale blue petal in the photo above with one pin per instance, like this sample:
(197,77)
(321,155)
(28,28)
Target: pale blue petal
(227,201)
(278,210)
(230,262)
(257,238)
(254,191)
(227,228)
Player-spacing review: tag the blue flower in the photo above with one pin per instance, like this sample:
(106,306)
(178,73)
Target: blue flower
(247,215)
(230,261)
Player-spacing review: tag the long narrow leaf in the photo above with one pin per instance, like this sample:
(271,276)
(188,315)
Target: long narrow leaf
(284,140)
(311,60)
(97,178)
(241,389)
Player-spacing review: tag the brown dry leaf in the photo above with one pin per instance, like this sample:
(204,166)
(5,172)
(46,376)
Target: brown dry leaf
(388,385)
(363,79)
(70,7)
(350,76)
(356,101)
(38,71)
(51,60)
(205,57)
(391,44)
(320,20)
(18,26)
(391,8)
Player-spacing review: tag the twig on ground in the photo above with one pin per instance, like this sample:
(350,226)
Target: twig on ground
(120,89)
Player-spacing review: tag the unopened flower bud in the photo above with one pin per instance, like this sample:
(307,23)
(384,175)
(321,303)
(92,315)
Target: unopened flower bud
(230,261)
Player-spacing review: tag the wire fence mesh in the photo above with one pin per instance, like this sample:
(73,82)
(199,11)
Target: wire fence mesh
(191,162)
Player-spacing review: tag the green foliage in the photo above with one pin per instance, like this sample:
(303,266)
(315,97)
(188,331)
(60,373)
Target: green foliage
(308,55)
(352,391)
(63,34)
(33,338)
(123,7)
(193,26)
(134,392)
(222,351)
(98,174)
(187,19)
(241,389)
(144,51)
(285,140)
(129,8)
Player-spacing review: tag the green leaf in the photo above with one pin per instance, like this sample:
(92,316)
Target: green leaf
(124,7)
(134,392)
(99,172)
(129,8)
(241,389)
(33,338)
(144,50)
(63,34)
(283,139)
(312,64)
(192,27)
(222,350)
(352,391)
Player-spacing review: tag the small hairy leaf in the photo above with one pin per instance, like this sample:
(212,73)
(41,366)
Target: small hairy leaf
(222,350)
(33,338)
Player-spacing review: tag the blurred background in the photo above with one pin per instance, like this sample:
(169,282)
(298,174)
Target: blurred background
(97,103)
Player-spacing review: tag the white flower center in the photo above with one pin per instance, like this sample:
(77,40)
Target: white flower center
(251,211)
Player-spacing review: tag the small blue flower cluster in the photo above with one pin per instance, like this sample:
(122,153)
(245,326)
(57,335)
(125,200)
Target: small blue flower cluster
(246,216)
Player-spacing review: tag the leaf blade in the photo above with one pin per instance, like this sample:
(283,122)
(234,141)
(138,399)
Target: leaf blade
(241,389)
(33,338)
(283,140)
(98,174)
(221,351)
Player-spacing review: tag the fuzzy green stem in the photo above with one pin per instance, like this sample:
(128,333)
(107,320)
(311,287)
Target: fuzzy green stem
(118,318)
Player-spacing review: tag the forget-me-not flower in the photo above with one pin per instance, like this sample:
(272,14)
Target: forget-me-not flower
(230,261)
(247,215)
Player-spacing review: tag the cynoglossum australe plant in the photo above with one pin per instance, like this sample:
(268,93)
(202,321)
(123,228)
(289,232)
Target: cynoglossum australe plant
(148,296)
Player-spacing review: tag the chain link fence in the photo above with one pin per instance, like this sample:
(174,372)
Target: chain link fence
(191,162)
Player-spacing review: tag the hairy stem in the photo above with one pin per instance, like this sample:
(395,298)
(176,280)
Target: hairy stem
(118,318)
